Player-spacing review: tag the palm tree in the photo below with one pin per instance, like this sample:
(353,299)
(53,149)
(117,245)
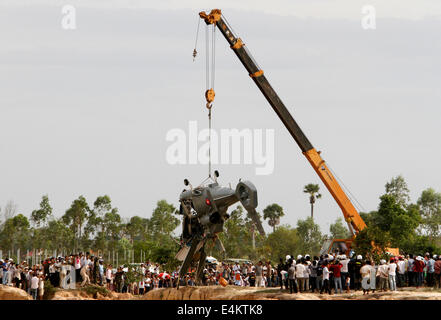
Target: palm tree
(273,213)
(312,190)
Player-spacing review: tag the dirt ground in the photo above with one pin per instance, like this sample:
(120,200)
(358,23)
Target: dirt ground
(227,293)
(237,293)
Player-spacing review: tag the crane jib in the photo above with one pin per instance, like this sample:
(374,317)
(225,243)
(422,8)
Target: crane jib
(350,213)
(264,86)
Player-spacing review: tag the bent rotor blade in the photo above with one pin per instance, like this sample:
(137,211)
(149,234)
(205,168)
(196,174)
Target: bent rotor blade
(219,245)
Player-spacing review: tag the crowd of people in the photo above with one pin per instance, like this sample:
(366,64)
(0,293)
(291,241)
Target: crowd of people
(82,270)
(336,273)
(327,273)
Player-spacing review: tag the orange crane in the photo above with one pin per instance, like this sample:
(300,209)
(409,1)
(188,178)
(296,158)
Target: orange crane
(352,218)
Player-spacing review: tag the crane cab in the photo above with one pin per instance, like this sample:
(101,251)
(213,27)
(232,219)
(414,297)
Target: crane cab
(337,246)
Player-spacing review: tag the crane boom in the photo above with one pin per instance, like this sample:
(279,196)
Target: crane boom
(351,215)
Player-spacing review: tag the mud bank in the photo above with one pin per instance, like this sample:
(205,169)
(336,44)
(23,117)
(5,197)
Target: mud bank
(11,293)
(235,293)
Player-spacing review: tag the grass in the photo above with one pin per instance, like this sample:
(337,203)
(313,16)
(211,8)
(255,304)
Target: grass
(94,290)
(49,290)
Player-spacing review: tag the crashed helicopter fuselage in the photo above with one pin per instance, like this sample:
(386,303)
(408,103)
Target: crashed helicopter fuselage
(204,211)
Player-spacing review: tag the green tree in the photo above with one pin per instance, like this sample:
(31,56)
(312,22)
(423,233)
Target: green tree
(273,213)
(239,238)
(430,208)
(112,228)
(398,189)
(393,218)
(399,224)
(41,215)
(136,228)
(368,217)
(233,237)
(57,236)
(283,241)
(15,232)
(338,230)
(163,220)
(76,216)
(96,223)
(313,191)
(310,236)
(372,242)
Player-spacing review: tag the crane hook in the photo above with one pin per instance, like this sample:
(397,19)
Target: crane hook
(209,96)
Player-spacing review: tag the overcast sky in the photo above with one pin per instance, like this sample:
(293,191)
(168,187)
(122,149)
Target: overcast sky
(86,111)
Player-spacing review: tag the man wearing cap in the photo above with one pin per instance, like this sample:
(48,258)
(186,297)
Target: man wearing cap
(419,269)
(392,275)
(300,274)
(292,277)
(344,269)
(401,269)
(383,272)
(366,271)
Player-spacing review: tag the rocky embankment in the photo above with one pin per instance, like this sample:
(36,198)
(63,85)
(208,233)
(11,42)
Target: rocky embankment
(220,293)
(237,293)
(11,293)
(90,295)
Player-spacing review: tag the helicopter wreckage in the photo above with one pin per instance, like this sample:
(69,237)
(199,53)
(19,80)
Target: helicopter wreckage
(204,211)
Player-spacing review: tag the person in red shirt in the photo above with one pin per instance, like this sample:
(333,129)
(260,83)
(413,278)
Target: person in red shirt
(438,272)
(419,267)
(335,268)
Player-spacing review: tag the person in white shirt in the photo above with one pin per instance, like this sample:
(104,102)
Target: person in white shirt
(141,286)
(17,276)
(325,286)
(300,272)
(34,285)
(77,266)
(392,275)
(344,269)
(109,276)
(306,274)
(365,271)
(383,273)
(401,267)
(28,275)
(41,286)
(148,283)
(84,275)
(63,273)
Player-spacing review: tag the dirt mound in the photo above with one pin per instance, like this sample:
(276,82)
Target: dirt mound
(238,293)
(91,293)
(221,293)
(11,293)
(71,295)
